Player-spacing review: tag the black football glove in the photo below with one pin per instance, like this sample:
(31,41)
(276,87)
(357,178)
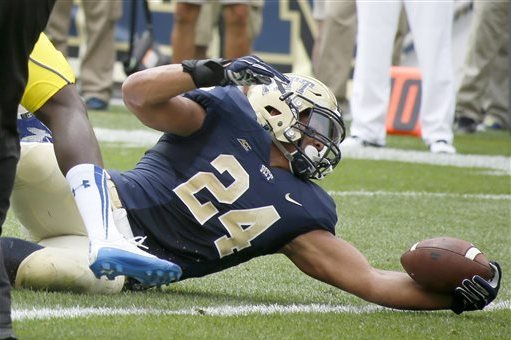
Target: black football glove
(245,71)
(477,293)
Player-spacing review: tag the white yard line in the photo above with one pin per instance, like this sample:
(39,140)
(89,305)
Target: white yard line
(147,138)
(79,312)
(419,194)
(425,157)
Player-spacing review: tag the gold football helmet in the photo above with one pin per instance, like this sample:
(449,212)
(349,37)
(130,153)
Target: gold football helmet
(306,108)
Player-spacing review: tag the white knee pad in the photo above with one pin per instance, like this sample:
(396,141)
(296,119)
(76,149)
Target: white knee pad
(37,162)
(41,198)
(63,266)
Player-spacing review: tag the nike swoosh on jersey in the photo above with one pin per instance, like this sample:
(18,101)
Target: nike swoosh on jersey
(289,199)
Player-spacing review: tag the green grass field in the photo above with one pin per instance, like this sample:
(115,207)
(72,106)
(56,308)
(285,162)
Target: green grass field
(384,207)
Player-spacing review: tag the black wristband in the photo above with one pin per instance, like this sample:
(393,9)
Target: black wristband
(205,73)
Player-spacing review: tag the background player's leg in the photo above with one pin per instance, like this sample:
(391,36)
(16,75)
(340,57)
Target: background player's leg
(21,22)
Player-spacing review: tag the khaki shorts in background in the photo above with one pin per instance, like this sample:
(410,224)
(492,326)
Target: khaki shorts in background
(211,12)
(223,2)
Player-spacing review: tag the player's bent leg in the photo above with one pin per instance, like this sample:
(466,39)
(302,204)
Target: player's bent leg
(45,206)
(41,198)
(121,255)
(62,265)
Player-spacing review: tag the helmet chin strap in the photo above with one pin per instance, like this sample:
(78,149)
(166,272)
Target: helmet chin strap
(285,152)
(297,165)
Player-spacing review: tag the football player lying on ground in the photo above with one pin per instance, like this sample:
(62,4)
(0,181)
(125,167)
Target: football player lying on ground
(53,97)
(229,180)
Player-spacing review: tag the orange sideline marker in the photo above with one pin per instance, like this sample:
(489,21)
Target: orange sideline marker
(405,100)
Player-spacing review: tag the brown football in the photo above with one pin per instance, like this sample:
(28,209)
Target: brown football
(440,264)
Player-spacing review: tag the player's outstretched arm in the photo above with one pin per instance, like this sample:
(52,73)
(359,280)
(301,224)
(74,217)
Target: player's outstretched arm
(334,261)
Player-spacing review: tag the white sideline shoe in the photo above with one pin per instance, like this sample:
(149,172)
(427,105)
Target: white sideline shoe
(357,142)
(123,257)
(441,146)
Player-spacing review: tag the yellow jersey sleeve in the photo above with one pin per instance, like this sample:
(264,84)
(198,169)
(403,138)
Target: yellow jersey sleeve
(48,72)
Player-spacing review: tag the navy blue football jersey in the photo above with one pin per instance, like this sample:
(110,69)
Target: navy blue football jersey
(211,200)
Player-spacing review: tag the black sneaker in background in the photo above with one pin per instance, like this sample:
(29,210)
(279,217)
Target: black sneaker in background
(465,125)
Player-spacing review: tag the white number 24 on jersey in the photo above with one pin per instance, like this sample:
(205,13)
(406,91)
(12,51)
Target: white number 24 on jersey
(243,225)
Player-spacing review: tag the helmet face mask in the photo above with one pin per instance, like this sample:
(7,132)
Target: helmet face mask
(304,114)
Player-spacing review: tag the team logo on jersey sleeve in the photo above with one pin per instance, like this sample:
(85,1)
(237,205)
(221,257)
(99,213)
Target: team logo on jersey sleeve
(243,142)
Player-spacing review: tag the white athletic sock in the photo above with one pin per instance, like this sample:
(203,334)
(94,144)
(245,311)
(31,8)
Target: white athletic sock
(88,184)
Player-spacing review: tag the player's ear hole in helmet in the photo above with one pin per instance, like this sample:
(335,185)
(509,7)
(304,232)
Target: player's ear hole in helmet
(304,113)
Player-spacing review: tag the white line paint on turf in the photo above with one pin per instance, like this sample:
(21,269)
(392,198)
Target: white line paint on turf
(410,156)
(80,312)
(420,194)
(147,138)
(128,137)
(76,312)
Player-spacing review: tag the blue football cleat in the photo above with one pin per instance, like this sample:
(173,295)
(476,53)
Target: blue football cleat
(121,257)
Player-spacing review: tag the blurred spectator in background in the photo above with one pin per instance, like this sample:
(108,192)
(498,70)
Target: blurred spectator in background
(483,94)
(97,64)
(236,14)
(209,18)
(431,28)
(335,44)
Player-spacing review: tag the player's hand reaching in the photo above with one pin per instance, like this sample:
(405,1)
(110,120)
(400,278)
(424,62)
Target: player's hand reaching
(477,293)
(251,70)
(245,71)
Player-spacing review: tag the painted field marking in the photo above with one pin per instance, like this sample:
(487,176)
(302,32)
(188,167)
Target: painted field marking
(147,138)
(425,157)
(139,137)
(502,197)
(79,312)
